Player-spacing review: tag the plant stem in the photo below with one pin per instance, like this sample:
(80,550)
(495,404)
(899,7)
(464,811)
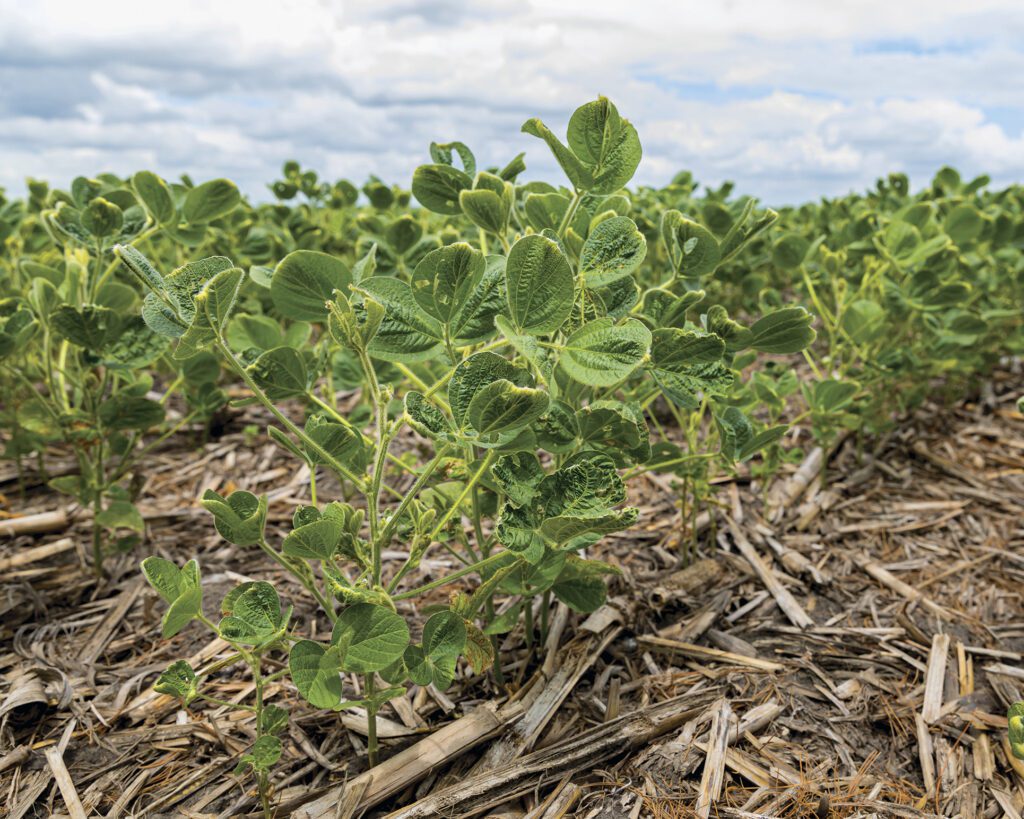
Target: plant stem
(570,212)
(495,560)
(371,720)
(484,465)
(330,460)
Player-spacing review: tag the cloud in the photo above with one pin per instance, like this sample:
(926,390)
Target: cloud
(792,99)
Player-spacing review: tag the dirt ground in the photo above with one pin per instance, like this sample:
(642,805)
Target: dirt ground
(846,650)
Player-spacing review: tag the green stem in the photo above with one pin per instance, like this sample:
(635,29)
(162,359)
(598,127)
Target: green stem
(424,476)
(495,560)
(570,212)
(330,460)
(484,466)
(371,720)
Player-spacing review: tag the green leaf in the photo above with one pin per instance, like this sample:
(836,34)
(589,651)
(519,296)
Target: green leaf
(518,475)
(614,250)
(178,587)
(615,428)
(475,373)
(155,195)
(580,584)
(344,443)
(964,224)
(407,334)
(693,249)
(785,331)
(178,680)
(602,353)
(426,418)
(210,201)
(433,662)
(102,218)
(121,514)
(444,279)
(280,373)
(239,518)
(369,637)
(255,615)
(437,187)
(315,541)
(92,327)
(606,143)
(316,671)
(485,209)
(789,251)
(130,412)
(539,285)
(263,755)
(304,281)
(501,407)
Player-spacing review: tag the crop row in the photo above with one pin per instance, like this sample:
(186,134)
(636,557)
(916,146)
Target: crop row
(543,344)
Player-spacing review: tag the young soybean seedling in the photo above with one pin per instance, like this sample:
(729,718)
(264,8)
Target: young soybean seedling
(526,376)
(78,352)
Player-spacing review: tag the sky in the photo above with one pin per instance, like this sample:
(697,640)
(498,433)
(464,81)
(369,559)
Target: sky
(791,99)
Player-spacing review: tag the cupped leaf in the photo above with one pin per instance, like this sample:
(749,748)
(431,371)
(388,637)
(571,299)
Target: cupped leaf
(210,201)
(91,327)
(693,249)
(255,615)
(433,662)
(606,143)
(580,584)
(178,680)
(179,587)
(426,418)
(474,321)
(315,541)
(789,251)
(445,278)
(1015,726)
(614,250)
(304,281)
(280,373)
(437,187)
(475,373)
(130,412)
(239,518)
(539,285)
(406,333)
(602,353)
(486,209)
(518,475)
(785,331)
(502,407)
(316,672)
(369,637)
(263,755)
(155,195)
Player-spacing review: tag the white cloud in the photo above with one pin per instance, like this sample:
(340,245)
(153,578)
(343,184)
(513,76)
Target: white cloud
(792,99)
